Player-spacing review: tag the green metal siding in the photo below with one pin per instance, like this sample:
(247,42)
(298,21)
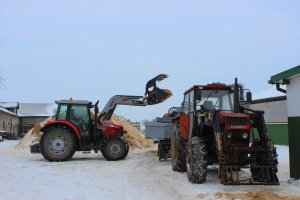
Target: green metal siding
(294,138)
(285,75)
(277,132)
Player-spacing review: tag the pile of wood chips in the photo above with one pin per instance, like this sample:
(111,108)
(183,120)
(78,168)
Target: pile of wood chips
(134,137)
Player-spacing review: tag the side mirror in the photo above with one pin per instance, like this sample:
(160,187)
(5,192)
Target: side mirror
(242,97)
(248,96)
(96,110)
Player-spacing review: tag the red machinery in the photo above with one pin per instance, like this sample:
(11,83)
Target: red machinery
(213,126)
(75,128)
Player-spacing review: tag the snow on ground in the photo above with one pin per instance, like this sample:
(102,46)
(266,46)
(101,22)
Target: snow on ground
(139,176)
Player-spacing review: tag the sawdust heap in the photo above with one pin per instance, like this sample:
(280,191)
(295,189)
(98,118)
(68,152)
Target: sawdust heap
(254,195)
(134,137)
(33,135)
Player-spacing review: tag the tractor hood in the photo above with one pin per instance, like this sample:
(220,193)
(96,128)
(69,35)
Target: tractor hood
(110,128)
(224,115)
(111,124)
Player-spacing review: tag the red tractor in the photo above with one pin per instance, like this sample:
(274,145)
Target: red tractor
(75,128)
(213,126)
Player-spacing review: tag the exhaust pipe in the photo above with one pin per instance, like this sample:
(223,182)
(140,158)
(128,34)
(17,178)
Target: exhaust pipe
(236,97)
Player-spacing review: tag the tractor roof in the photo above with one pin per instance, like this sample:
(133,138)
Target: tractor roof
(212,86)
(77,102)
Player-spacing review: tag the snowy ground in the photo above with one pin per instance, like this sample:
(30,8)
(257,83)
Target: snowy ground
(139,176)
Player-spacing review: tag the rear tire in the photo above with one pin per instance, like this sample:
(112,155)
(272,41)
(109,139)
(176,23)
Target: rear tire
(57,144)
(115,148)
(196,160)
(177,150)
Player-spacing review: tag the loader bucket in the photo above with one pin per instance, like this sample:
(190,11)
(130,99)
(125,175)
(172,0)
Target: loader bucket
(155,95)
(237,175)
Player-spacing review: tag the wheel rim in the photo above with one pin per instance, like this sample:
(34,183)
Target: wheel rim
(115,149)
(58,144)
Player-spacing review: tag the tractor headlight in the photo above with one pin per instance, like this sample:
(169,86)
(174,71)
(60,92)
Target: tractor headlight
(229,135)
(245,135)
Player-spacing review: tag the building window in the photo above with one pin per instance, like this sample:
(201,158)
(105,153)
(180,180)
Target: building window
(27,127)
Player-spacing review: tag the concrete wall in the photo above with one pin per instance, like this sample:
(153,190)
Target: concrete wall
(293,97)
(9,123)
(275,112)
(276,119)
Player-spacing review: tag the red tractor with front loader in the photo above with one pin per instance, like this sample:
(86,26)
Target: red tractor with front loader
(214,126)
(76,128)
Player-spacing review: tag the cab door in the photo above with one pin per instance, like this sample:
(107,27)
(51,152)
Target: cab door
(79,115)
(191,114)
(186,116)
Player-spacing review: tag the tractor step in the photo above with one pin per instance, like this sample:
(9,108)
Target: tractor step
(242,175)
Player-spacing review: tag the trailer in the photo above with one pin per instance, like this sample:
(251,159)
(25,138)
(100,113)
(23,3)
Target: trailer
(160,132)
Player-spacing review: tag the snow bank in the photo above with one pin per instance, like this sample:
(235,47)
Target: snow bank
(139,176)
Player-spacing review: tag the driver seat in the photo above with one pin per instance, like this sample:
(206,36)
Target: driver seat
(208,105)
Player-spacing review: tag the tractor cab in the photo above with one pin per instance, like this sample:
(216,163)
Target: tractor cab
(78,113)
(200,101)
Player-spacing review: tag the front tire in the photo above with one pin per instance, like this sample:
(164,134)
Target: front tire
(177,150)
(57,144)
(196,160)
(115,148)
(267,159)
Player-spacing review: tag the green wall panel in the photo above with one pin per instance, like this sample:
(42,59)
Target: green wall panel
(294,138)
(278,133)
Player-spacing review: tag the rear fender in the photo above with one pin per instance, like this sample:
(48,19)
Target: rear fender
(62,123)
(184,126)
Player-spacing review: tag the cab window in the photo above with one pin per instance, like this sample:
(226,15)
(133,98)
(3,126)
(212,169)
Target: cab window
(186,103)
(79,115)
(191,102)
(62,112)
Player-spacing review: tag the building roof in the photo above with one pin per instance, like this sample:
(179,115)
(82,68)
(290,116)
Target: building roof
(283,77)
(10,104)
(2,109)
(37,109)
(270,99)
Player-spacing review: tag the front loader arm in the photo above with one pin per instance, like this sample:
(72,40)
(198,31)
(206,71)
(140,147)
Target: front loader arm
(111,105)
(153,95)
(257,117)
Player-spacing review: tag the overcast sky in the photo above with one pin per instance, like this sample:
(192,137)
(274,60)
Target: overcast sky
(94,49)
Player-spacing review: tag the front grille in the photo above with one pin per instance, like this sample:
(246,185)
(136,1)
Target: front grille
(236,138)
